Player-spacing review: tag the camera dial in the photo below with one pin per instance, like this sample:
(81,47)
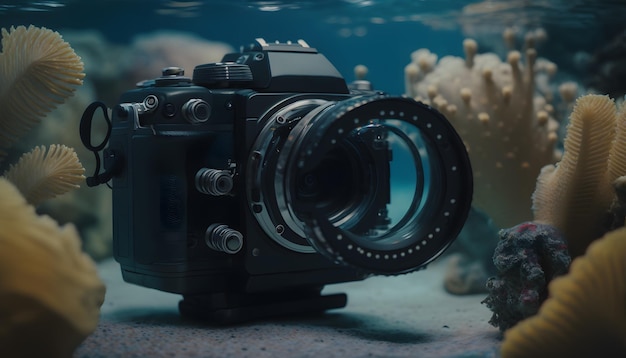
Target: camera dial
(222,74)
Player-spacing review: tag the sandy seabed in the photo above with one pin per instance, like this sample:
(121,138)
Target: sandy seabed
(404,316)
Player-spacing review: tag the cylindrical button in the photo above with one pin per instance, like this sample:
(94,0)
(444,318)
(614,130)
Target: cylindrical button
(214,182)
(220,237)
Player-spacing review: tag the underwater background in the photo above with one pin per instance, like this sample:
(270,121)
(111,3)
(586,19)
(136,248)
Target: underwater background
(378,33)
(445,53)
(124,42)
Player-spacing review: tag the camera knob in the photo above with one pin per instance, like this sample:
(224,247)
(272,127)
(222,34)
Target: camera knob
(173,71)
(171,77)
(222,74)
(196,111)
(214,182)
(220,237)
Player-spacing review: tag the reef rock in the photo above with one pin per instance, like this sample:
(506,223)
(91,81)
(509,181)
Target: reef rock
(584,315)
(528,257)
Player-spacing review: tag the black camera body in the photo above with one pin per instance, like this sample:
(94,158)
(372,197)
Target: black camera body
(265,177)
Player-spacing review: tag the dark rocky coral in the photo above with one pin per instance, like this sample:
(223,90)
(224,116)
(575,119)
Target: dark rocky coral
(527,257)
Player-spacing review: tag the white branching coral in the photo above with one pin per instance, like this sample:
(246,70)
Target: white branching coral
(508,128)
(38,71)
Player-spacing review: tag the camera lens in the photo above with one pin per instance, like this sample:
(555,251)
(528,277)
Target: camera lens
(334,184)
(327,185)
(262,192)
(196,111)
(379,183)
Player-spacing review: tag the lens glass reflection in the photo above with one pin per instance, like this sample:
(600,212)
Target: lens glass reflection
(383,183)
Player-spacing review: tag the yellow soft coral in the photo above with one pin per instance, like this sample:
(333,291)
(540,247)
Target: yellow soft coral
(42,175)
(576,194)
(585,315)
(38,71)
(506,126)
(50,292)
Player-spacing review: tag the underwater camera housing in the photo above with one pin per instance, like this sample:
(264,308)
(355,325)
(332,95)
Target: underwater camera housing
(250,186)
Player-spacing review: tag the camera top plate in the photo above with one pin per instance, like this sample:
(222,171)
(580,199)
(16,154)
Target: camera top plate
(273,67)
(262,45)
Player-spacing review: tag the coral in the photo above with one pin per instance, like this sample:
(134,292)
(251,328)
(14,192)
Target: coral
(582,197)
(471,264)
(585,315)
(150,53)
(528,257)
(41,175)
(50,292)
(577,194)
(507,127)
(39,71)
(89,209)
(464,276)
(568,91)
(360,72)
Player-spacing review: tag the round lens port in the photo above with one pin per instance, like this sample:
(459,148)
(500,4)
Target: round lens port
(381,184)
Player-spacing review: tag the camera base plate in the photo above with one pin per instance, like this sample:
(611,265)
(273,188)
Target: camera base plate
(231,308)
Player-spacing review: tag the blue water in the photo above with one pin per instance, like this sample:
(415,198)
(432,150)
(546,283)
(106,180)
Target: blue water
(327,26)
(378,33)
